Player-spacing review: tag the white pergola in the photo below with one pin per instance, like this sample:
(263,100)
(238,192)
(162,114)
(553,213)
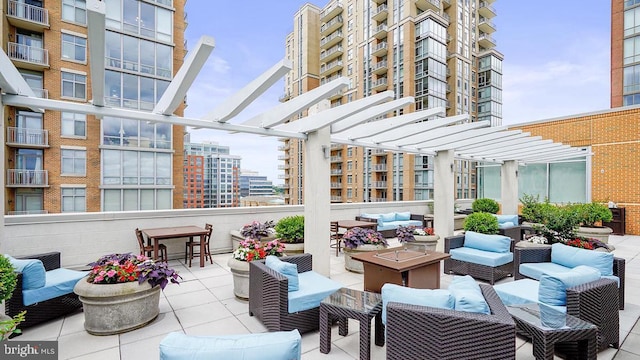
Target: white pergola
(358,123)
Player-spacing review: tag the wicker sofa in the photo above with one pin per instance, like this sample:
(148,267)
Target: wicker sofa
(423,332)
(544,256)
(479,269)
(389,222)
(269,297)
(52,308)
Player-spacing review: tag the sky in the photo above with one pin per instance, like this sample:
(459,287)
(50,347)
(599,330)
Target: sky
(556,63)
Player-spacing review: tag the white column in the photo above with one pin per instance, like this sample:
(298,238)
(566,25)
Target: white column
(509,187)
(443,196)
(317,194)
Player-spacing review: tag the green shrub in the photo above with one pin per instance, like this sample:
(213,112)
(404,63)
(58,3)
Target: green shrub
(535,211)
(562,221)
(485,205)
(481,222)
(591,213)
(8,278)
(290,229)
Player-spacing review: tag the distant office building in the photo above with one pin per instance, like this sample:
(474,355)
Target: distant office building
(211,176)
(252,184)
(441,52)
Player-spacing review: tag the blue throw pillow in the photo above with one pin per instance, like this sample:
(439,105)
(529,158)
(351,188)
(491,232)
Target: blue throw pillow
(403,216)
(504,219)
(553,286)
(468,296)
(388,217)
(435,298)
(493,243)
(289,270)
(571,257)
(33,272)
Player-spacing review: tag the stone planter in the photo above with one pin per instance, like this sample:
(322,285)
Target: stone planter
(240,272)
(117,308)
(293,249)
(355,265)
(529,244)
(429,241)
(600,233)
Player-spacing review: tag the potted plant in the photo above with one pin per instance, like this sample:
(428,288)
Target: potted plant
(485,205)
(481,222)
(416,235)
(591,215)
(357,240)
(254,230)
(247,251)
(8,282)
(122,292)
(290,230)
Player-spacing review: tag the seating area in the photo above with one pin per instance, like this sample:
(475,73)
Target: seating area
(486,257)
(204,306)
(389,222)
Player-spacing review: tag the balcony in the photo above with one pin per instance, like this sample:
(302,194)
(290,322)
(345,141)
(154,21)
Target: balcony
(283,157)
(486,10)
(381,31)
(425,5)
(335,198)
(379,167)
(379,184)
(281,167)
(381,12)
(380,67)
(27,138)
(28,57)
(377,199)
(331,11)
(380,84)
(29,212)
(41,93)
(27,178)
(329,41)
(380,49)
(27,16)
(331,26)
(446,4)
(337,95)
(284,97)
(331,54)
(486,25)
(330,68)
(382,1)
(486,41)
(336,159)
(336,185)
(336,172)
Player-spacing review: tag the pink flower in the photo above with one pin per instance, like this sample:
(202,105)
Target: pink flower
(111,273)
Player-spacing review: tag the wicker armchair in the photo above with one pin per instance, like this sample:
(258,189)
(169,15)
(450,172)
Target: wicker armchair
(268,297)
(531,255)
(477,271)
(45,310)
(421,332)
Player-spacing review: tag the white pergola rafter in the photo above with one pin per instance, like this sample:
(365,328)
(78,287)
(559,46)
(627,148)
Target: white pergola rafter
(380,126)
(450,141)
(365,120)
(413,128)
(514,153)
(420,138)
(496,140)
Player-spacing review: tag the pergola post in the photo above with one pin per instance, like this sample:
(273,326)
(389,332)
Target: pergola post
(509,187)
(443,195)
(317,194)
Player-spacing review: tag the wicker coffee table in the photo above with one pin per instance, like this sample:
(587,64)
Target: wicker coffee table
(546,327)
(355,304)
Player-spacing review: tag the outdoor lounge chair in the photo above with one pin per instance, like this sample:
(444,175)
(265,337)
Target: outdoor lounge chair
(487,262)
(423,332)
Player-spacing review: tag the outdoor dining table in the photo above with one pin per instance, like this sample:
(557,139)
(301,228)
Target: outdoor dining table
(156,234)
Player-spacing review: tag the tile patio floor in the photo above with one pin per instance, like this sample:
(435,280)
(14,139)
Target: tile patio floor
(204,304)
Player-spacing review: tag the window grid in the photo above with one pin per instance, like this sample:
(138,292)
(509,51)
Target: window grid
(74,85)
(74,48)
(74,124)
(74,162)
(75,11)
(74,200)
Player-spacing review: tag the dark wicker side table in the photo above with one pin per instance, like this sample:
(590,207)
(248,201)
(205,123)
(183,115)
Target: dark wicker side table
(547,326)
(347,304)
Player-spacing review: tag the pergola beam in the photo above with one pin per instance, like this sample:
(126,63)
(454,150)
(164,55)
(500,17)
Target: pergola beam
(508,138)
(419,138)
(412,129)
(96,30)
(383,125)
(366,119)
(447,142)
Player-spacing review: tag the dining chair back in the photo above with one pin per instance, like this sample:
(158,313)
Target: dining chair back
(190,245)
(335,238)
(148,249)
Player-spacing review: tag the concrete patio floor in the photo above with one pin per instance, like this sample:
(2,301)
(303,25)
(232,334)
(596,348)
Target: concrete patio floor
(204,304)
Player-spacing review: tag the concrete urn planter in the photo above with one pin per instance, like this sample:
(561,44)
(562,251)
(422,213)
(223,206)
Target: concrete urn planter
(355,265)
(600,233)
(429,241)
(293,249)
(117,308)
(240,272)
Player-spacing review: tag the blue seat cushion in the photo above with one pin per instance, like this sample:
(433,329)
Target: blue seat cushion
(468,296)
(506,225)
(494,243)
(535,270)
(553,286)
(481,257)
(290,270)
(403,216)
(58,282)
(388,217)
(270,346)
(438,298)
(518,292)
(313,288)
(33,272)
(571,257)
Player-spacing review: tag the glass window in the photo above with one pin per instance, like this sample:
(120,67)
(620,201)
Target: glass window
(74,85)
(631,50)
(147,20)
(73,162)
(113,49)
(164,26)
(113,18)
(73,124)
(75,11)
(74,200)
(74,48)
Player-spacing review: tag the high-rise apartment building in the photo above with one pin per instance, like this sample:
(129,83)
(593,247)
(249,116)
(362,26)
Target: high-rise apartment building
(254,184)
(71,162)
(439,51)
(211,176)
(625,52)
